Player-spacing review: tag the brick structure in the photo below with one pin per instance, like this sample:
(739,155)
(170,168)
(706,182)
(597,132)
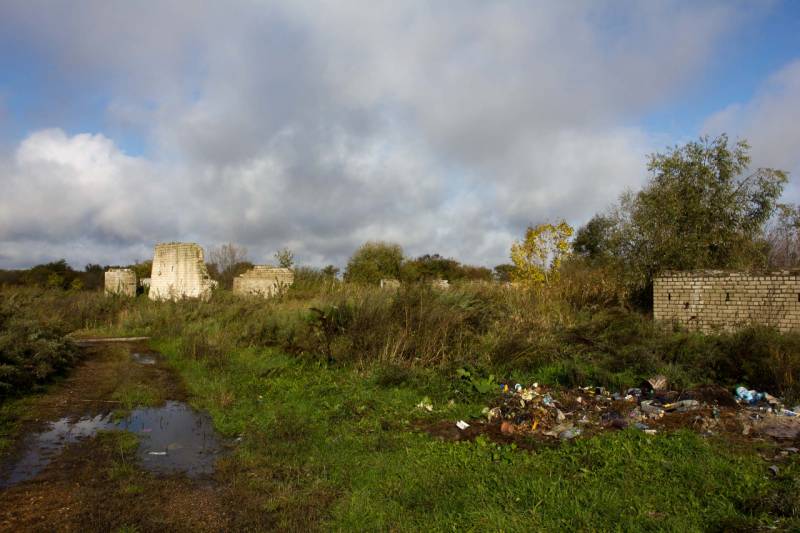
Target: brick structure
(120,281)
(713,300)
(263,280)
(179,271)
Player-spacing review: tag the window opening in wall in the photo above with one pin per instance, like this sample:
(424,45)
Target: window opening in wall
(798,296)
(727,297)
(669,296)
(686,305)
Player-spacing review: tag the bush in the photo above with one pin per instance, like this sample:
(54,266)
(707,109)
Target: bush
(30,352)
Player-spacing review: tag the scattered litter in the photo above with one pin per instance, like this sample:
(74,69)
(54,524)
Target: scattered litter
(774,469)
(425,405)
(566,414)
(462,425)
(654,384)
(749,396)
(156,453)
(570,433)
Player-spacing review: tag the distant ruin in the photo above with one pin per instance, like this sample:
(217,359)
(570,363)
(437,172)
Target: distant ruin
(120,281)
(713,300)
(440,284)
(263,280)
(179,271)
(390,284)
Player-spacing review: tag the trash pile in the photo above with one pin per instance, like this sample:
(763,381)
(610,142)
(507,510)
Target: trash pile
(542,412)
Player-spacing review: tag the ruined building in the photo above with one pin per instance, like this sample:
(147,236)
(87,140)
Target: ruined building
(390,284)
(120,281)
(179,271)
(263,280)
(712,300)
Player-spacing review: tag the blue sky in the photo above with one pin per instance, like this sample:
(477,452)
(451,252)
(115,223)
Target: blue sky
(445,127)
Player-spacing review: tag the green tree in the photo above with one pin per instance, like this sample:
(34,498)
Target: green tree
(702,208)
(593,241)
(374,261)
(330,271)
(504,272)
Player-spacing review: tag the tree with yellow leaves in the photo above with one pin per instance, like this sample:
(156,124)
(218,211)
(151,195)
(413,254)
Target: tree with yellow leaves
(538,256)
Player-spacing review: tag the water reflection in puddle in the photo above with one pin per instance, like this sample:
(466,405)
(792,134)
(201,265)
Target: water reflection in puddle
(143,358)
(172,438)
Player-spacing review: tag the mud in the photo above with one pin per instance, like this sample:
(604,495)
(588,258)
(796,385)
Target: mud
(71,472)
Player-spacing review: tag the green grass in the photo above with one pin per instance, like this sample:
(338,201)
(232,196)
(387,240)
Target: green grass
(131,395)
(12,413)
(342,441)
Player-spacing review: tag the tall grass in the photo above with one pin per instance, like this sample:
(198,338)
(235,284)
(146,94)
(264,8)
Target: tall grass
(569,336)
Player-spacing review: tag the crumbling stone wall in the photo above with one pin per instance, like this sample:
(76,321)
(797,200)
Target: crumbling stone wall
(712,300)
(179,271)
(263,280)
(121,281)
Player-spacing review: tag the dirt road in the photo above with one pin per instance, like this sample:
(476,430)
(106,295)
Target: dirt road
(87,458)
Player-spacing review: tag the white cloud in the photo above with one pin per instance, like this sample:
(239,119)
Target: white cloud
(444,126)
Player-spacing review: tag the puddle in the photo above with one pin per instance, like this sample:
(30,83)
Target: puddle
(143,358)
(173,438)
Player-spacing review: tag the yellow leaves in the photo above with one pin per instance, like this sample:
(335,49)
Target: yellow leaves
(538,256)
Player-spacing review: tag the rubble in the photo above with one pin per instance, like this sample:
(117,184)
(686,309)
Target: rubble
(561,415)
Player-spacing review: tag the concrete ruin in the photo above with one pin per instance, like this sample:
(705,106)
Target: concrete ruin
(440,284)
(263,280)
(390,284)
(120,281)
(714,300)
(179,271)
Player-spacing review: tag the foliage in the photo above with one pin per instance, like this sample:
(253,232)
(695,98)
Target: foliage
(783,238)
(285,258)
(700,210)
(31,351)
(503,273)
(538,256)
(593,240)
(429,267)
(374,261)
(330,271)
(143,269)
(226,262)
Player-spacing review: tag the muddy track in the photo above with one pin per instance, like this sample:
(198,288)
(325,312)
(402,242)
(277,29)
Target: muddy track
(99,483)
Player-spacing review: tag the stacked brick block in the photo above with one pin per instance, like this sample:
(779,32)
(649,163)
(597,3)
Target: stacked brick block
(714,300)
(263,280)
(179,271)
(120,281)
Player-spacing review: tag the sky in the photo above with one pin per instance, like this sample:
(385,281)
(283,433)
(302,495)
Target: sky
(446,127)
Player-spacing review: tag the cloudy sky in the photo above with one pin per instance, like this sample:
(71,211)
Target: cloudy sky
(445,126)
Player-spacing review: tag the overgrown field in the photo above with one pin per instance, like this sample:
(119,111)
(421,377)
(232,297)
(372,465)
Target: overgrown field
(322,386)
